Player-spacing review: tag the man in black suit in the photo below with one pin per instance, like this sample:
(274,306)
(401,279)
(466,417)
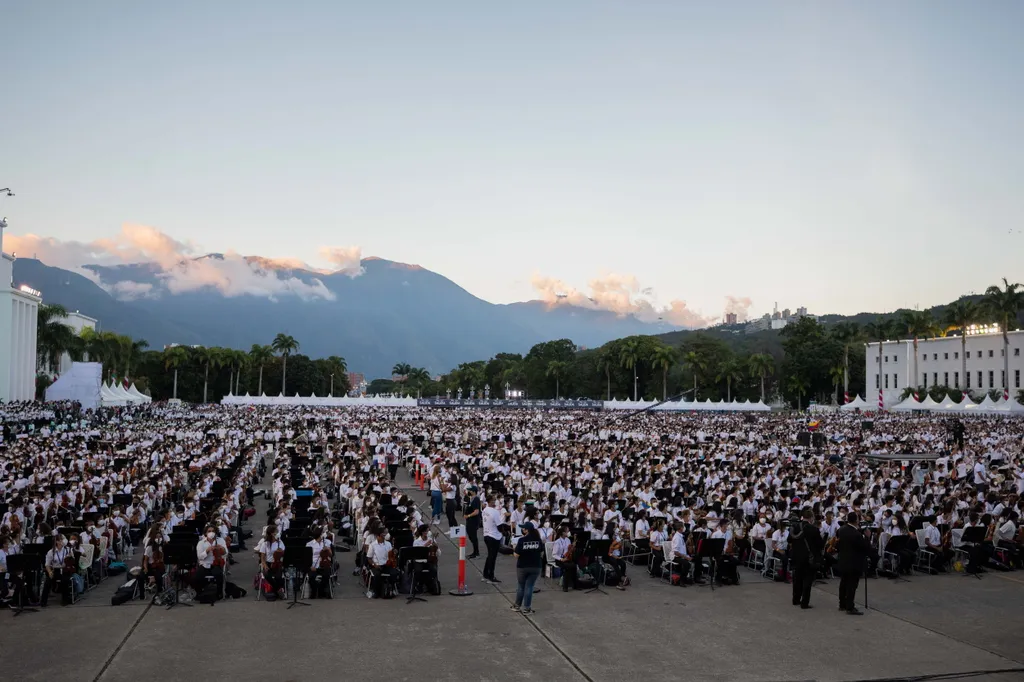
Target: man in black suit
(853,549)
(806,547)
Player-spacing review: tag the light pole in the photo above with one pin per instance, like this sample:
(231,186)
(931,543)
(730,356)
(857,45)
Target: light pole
(332,384)
(634,383)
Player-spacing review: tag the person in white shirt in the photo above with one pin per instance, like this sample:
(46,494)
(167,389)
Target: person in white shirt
(493,518)
(560,554)
(380,557)
(212,554)
(56,580)
(320,569)
(680,559)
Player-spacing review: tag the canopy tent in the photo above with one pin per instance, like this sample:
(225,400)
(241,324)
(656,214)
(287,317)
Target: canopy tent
(858,403)
(82,383)
(108,398)
(132,391)
(908,403)
(688,406)
(329,401)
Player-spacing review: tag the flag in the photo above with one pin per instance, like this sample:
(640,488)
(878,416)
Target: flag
(813,425)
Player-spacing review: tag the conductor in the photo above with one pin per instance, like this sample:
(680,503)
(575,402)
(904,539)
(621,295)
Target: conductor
(853,549)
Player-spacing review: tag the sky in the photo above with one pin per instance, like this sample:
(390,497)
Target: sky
(843,156)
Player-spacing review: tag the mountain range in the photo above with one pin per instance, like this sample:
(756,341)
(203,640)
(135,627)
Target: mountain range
(391,312)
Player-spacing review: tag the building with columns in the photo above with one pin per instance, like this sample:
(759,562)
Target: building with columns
(19,309)
(939,363)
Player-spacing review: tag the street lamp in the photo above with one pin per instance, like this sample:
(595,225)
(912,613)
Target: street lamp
(332,384)
(8,190)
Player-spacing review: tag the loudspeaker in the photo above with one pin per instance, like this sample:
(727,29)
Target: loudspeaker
(867,425)
(818,439)
(804,439)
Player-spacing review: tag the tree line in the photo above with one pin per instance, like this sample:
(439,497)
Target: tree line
(813,361)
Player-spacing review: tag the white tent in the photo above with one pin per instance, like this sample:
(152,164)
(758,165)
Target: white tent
(110,399)
(856,403)
(82,383)
(948,405)
(136,393)
(987,403)
(120,391)
(908,404)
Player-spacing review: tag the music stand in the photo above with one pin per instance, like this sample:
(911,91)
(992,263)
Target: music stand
(297,559)
(712,548)
(24,564)
(414,555)
(596,550)
(181,556)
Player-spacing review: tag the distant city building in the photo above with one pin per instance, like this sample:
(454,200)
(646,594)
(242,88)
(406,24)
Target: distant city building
(939,364)
(19,311)
(356,379)
(776,320)
(730,318)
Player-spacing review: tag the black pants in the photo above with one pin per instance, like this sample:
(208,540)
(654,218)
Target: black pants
(568,575)
(492,556)
(392,471)
(657,558)
(216,572)
(59,583)
(449,510)
(848,589)
(380,574)
(471,529)
(320,583)
(803,580)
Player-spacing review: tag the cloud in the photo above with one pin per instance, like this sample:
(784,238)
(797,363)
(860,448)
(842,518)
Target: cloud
(127,290)
(345,259)
(620,294)
(179,270)
(738,305)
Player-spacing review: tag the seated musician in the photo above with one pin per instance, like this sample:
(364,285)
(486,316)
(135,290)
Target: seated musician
(423,538)
(561,553)
(1005,536)
(153,557)
(323,560)
(642,532)
(934,544)
(738,534)
(780,549)
(6,591)
(680,559)
(380,556)
(211,553)
(759,532)
(657,539)
(59,564)
(611,532)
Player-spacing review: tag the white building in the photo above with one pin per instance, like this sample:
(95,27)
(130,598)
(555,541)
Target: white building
(77,321)
(938,363)
(19,309)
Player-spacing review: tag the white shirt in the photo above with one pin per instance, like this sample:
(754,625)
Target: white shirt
(204,551)
(492,519)
(377,552)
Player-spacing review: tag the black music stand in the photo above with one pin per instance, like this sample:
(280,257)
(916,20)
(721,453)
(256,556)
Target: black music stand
(181,556)
(595,551)
(298,559)
(414,555)
(712,549)
(25,564)
(975,535)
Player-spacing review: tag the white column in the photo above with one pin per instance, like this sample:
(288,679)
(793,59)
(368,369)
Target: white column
(16,351)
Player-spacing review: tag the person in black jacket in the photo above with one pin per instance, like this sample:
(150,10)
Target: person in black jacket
(806,547)
(853,550)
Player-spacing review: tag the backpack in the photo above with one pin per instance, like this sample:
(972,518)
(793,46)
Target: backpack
(209,594)
(233,591)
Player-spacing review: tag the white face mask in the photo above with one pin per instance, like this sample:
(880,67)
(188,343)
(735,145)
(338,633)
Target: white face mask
(210,536)
(117,513)
(762,520)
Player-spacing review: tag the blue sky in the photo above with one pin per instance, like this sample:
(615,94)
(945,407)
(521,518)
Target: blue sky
(845,156)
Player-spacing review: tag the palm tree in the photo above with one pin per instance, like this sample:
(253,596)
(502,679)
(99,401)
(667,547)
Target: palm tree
(174,358)
(798,385)
(401,370)
(131,353)
(604,364)
(556,369)
(260,356)
(837,373)
(284,345)
(53,337)
(697,364)
(917,324)
(664,358)
(242,360)
(960,315)
(1003,305)
(848,334)
(337,365)
(732,370)
(209,356)
(882,328)
(629,357)
(419,378)
(760,365)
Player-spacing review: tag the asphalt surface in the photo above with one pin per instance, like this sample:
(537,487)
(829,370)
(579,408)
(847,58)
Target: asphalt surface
(930,625)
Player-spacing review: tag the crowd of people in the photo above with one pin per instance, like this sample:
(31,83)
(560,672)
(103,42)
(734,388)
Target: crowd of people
(594,497)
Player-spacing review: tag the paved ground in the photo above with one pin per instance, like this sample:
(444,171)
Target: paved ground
(931,625)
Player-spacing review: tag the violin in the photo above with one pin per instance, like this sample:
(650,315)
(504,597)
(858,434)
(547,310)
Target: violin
(392,559)
(325,556)
(69,563)
(218,555)
(157,563)
(277,562)
(830,546)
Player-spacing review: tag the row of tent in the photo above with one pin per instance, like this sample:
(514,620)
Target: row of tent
(116,395)
(393,401)
(965,406)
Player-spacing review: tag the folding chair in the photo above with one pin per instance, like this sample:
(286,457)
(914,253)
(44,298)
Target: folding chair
(771,562)
(755,560)
(924,555)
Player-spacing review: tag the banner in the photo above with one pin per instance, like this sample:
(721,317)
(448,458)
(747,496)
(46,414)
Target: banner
(512,404)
